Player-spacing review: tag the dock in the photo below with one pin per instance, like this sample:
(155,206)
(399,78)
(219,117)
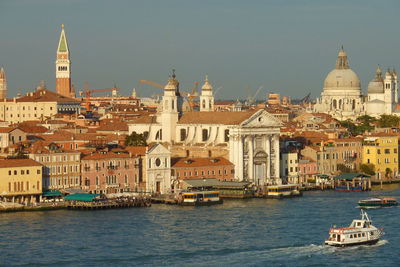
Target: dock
(108,204)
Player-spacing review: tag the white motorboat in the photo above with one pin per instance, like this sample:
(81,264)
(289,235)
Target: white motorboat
(360,232)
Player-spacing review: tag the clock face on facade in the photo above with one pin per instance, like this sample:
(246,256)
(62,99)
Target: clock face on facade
(158,162)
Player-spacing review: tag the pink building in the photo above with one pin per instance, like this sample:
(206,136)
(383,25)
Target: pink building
(307,168)
(110,172)
(196,168)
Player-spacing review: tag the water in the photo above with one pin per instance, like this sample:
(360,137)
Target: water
(255,232)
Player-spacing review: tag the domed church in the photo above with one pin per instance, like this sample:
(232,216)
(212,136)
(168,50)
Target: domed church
(342,96)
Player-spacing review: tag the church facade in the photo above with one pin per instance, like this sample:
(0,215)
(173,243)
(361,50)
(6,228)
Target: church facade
(342,95)
(250,138)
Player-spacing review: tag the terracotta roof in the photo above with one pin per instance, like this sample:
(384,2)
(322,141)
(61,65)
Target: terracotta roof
(33,129)
(113,126)
(45,96)
(215,117)
(137,150)
(7,163)
(199,162)
(145,119)
(7,129)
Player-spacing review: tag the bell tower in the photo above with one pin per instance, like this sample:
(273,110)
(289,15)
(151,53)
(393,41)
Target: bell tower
(63,67)
(206,97)
(3,84)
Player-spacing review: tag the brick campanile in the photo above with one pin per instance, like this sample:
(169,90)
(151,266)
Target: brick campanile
(63,67)
(3,84)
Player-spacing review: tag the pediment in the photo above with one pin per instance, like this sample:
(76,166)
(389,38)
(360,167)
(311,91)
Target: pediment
(158,149)
(262,119)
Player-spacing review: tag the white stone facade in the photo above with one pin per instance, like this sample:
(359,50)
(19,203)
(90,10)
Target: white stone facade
(252,137)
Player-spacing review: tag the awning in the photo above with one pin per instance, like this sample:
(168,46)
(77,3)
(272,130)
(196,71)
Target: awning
(351,176)
(52,193)
(324,176)
(81,197)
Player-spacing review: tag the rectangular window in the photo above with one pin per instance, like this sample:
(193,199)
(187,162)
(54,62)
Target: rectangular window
(387,151)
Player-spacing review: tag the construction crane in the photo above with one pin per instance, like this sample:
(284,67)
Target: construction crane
(216,91)
(88,92)
(252,99)
(192,95)
(152,83)
(306,99)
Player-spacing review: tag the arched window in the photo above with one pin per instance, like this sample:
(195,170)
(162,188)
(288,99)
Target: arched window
(334,103)
(146,134)
(173,104)
(226,135)
(159,135)
(354,104)
(340,103)
(209,105)
(204,135)
(183,134)
(204,104)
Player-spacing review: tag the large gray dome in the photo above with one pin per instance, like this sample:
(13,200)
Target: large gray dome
(342,77)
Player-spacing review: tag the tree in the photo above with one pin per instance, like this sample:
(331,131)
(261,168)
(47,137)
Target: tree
(366,119)
(135,140)
(344,169)
(388,172)
(368,168)
(388,121)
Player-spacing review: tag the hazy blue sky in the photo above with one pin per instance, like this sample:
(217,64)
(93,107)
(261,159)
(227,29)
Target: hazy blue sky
(284,46)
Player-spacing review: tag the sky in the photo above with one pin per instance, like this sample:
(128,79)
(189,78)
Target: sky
(285,46)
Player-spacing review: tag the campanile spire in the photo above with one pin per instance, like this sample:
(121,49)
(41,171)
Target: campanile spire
(63,67)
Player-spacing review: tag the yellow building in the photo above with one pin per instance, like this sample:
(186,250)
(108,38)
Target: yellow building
(37,105)
(381,150)
(20,180)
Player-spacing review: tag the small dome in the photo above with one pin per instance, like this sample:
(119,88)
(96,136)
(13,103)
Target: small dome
(207,85)
(376,86)
(339,79)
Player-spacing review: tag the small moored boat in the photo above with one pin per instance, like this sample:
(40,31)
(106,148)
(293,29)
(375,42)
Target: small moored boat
(283,190)
(360,232)
(200,198)
(377,202)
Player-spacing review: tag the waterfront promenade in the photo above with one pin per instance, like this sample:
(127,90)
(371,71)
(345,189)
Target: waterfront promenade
(255,232)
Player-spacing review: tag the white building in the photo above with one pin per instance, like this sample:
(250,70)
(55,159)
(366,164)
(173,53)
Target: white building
(252,137)
(158,170)
(382,94)
(342,97)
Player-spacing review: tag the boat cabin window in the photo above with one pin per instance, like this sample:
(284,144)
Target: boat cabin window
(358,223)
(372,233)
(351,236)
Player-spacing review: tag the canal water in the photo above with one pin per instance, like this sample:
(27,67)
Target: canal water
(255,232)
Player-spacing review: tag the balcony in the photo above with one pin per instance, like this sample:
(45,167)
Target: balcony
(112,167)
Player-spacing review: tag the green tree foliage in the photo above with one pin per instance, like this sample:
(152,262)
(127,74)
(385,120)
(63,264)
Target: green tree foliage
(344,169)
(366,119)
(135,140)
(389,121)
(388,172)
(357,129)
(368,168)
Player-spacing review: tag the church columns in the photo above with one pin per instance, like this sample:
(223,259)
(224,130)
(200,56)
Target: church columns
(276,162)
(250,163)
(268,163)
(240,156)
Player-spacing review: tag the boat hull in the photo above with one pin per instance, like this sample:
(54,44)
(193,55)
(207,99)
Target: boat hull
(376,205)
(368,242)
(202,203)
